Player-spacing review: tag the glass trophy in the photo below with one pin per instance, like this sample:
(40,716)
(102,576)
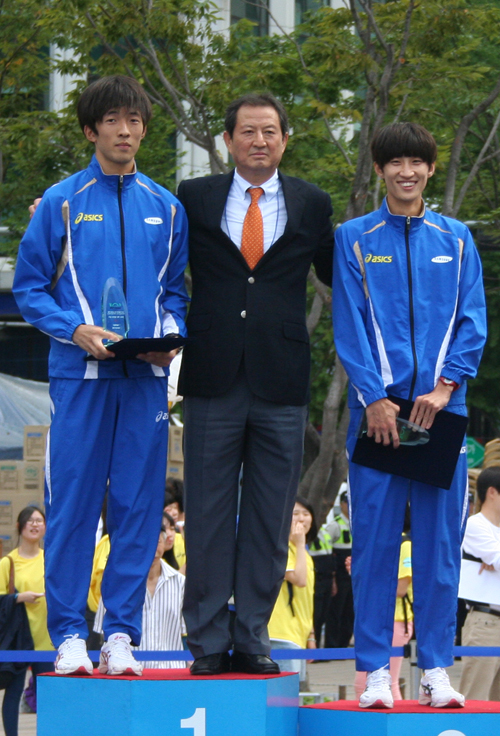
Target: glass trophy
(114,310)
(410,434)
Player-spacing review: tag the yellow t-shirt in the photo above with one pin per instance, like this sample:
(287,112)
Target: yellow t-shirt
(284,624)
(404,572)
(101,555)
(180,549)
(29,575)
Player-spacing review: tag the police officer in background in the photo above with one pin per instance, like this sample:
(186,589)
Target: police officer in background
(340,617)
(321,551)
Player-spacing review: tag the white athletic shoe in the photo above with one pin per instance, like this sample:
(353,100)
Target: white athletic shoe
(73,658)
(116,657)
(435,690)
(377,693)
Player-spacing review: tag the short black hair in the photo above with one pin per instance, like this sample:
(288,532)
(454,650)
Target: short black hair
(487,478)
(255,100)
(403,139)
(109,92)
(313,531)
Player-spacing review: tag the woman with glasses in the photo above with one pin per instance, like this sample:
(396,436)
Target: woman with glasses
(30,589)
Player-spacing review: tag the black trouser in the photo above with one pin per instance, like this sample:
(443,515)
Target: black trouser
(340,618)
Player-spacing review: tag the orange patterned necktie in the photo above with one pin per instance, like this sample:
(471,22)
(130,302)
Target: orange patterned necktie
(252,237)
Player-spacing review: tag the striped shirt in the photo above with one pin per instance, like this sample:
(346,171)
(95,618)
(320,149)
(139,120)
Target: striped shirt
(162,622)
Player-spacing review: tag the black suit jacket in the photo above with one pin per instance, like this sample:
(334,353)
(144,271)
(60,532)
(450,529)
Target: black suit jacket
(258,316)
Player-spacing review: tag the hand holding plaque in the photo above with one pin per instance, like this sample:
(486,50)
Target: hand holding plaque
(115,318)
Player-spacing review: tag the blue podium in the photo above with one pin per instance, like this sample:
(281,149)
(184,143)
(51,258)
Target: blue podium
(168,702)
(478,718)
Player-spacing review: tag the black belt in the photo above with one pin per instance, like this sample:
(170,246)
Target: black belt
(484,609)
(467,556)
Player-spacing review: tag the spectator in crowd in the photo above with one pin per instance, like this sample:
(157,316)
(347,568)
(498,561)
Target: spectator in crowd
(340,617)
(172,506)
(292,623)
(175,488)
(169,554)
(462,605)
(162,623)
(28,560)
(480,678)
(101,554)
(321,551)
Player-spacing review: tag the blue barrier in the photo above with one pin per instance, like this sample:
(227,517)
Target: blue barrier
(317,654)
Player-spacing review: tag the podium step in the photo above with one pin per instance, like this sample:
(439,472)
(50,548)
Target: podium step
(168,702)
(407,718)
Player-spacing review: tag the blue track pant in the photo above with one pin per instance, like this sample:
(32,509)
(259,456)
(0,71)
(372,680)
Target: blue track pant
(102,429)
(438,516)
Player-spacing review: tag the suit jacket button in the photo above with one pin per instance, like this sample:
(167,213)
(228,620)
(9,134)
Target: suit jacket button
(243,314)
(251,280)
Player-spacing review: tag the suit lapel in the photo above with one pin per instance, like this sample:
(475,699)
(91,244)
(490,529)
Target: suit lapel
(214,202)
(295,203)
(214,199)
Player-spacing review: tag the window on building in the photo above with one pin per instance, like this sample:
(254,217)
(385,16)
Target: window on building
(303,6)
(242,9)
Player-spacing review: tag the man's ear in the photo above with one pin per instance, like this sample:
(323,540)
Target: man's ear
(89,134)
(145,130)
(227,140)
(432,169)
(379,172)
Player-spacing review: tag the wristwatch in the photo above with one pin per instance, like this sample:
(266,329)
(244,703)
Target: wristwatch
(449,382)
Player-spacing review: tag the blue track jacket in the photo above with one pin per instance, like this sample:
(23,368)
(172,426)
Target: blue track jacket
(86,229)
(408,305)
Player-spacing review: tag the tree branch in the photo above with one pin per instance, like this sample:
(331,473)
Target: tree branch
(458,143)
(475,167)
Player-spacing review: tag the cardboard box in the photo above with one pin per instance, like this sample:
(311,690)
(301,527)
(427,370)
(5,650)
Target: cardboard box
(33,477)
(7,543)
(10,506)
(10,475)
(175,452)
(175,470)
(35,441)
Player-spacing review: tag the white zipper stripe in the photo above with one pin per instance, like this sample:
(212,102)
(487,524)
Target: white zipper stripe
(384,361)
(89,320)
(91,368)
(158,325)
(445,344)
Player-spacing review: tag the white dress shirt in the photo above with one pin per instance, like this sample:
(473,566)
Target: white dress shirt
(271,203)
(482,540)
(162,622)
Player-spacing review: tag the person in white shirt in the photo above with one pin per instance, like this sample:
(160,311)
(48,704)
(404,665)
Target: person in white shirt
(162,622)
(481,675)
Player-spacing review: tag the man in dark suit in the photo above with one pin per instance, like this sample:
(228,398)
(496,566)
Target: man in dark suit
(245,377)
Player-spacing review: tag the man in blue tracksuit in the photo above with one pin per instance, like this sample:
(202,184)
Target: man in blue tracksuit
(110,418)
(409,321)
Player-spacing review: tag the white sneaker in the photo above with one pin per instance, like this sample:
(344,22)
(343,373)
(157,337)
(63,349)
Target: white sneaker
(73,658)
(377,693)
(116,657)
(435,690)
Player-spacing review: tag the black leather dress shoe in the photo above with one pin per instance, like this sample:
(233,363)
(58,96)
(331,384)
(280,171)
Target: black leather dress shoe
(212,664)
(254,664)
